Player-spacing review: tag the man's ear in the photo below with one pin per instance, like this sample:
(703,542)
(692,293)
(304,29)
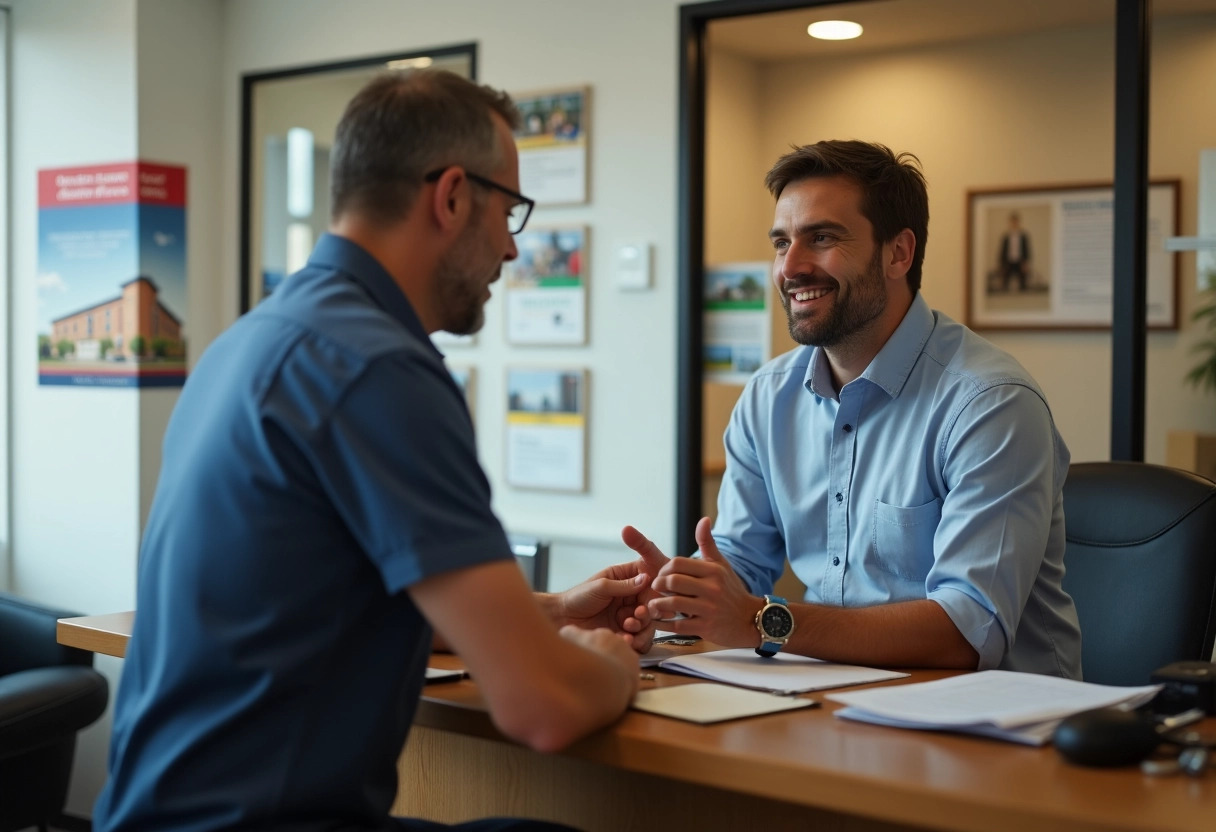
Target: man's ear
(899,253)
(449,201)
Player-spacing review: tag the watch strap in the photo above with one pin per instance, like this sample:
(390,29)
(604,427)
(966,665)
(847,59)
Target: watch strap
(768,649)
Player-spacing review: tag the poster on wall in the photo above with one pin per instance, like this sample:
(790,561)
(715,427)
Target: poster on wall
(552,140)
(737,324)
(547,287)
(112,275)
(1042,258)
(546,443)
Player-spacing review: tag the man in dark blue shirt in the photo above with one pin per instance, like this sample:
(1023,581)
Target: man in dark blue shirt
(321,512)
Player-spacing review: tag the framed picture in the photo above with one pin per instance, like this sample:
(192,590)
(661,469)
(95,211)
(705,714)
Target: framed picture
(553,138)
(547,287)
(466,379)
(1041,258)
(736,321)
(546,445)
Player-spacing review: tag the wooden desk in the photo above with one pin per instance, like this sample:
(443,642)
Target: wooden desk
(796,770)
(106,634)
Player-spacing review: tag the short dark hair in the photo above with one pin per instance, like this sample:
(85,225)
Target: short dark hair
(893,193)
(401,126)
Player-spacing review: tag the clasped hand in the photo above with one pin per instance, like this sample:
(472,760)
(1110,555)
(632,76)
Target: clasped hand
(696,596)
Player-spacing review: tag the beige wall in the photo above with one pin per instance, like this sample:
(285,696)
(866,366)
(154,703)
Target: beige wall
(1026,110)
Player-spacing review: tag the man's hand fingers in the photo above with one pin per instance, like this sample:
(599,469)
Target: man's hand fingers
(608,588)
(641,544)
(666,609)
(705,541)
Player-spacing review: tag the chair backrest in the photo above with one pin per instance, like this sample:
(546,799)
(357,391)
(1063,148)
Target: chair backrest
(28,639)
(532,555)
(1140,564)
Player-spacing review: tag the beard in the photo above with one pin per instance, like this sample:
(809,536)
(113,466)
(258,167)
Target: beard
(463,274)
(860,301)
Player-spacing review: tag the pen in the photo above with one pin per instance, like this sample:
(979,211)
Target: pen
(646,677)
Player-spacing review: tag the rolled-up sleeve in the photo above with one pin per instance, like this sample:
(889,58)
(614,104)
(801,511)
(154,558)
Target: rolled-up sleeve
(998,461)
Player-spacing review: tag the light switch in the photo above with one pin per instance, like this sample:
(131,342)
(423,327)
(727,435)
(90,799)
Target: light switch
(632,266)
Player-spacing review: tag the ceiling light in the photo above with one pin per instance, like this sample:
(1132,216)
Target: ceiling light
(834,30)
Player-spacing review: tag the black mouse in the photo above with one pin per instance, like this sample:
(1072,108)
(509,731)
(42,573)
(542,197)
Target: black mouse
(1106,737)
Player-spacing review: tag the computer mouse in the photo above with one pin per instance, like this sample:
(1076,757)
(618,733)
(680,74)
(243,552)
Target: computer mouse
(1106,737)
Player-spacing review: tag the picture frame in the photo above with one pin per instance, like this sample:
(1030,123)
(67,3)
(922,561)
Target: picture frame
(546,428)
(546,287)
(1040,257)
(553,140)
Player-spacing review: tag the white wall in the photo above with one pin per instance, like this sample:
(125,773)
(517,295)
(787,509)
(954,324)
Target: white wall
(1028,110)
(101,81)
(625,51)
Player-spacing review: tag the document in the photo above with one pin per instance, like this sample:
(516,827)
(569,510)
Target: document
(782,673)
(1020,707)
(707,702)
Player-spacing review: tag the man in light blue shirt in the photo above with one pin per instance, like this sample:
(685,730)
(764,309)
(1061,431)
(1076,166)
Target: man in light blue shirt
(909,470)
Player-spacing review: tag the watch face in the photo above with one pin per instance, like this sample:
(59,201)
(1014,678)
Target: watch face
(777,621)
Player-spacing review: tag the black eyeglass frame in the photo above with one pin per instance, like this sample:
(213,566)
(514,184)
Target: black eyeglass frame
(519,198)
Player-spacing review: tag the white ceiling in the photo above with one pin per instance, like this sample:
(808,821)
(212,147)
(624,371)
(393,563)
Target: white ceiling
(892,24)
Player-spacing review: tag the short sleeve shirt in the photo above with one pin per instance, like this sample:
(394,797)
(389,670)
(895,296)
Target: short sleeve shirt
(319,461)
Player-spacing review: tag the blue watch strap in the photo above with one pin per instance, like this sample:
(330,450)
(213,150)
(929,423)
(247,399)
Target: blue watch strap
(771,648)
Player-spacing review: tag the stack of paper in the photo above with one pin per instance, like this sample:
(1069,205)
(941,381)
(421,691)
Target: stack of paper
(1021,707)
(782,673)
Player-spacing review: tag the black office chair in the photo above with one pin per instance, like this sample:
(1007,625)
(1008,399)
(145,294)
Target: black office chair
(47,694)
(1140,563)
(532,555)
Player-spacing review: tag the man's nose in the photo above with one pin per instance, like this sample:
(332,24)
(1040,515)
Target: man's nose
(512,249)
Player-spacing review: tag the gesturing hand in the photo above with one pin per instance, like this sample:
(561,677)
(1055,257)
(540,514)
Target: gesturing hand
(715,603)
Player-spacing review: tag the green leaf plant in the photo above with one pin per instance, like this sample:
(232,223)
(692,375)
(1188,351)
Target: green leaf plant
(1203,375)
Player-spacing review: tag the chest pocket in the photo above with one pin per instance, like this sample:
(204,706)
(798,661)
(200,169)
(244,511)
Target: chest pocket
(903,538)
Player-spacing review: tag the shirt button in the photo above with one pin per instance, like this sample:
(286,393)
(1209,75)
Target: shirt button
(839,497)
(835,561)
(848,428)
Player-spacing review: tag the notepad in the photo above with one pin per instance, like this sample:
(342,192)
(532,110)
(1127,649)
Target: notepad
(707,702)
(1019,707)
(782,673)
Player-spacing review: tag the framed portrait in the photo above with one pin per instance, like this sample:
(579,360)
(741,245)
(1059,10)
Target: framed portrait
(1042,257)
(547,287)
(546,445)
(553,140)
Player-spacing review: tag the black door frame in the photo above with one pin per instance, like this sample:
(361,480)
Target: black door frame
(1132,32)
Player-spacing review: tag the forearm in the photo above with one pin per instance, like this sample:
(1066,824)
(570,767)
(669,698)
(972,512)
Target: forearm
(907,634)
(577,691)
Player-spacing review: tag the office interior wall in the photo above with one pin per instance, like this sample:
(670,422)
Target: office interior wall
(626,52)
(1035,109)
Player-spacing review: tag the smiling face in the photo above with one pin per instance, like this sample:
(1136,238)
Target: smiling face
(474,261)
(828,269)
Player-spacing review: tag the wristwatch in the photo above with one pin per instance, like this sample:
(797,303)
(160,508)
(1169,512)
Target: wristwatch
(776,625)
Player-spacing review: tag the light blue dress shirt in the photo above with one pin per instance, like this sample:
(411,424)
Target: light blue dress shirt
(936,474)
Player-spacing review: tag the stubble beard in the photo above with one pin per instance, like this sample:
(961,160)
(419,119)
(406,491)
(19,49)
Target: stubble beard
(864,300)
(462,279)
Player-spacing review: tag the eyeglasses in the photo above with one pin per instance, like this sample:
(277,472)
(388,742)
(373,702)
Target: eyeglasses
(520,210)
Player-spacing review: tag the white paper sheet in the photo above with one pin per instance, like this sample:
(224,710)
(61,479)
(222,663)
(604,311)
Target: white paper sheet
(782,673)
(708,702)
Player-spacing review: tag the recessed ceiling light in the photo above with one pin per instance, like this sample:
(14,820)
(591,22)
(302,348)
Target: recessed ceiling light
(834,30)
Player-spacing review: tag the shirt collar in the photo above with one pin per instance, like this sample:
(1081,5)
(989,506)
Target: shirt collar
(893,364)
(342,254)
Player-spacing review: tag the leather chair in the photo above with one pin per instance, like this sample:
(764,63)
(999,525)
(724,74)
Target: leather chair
(1140,564)
(532,555)
(47,694)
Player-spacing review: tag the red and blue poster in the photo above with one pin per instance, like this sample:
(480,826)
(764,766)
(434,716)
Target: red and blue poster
(112,275)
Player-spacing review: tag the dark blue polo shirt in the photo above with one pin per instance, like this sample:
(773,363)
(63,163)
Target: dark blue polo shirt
(319,461)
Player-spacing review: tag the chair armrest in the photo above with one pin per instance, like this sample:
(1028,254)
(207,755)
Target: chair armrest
(38,707)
